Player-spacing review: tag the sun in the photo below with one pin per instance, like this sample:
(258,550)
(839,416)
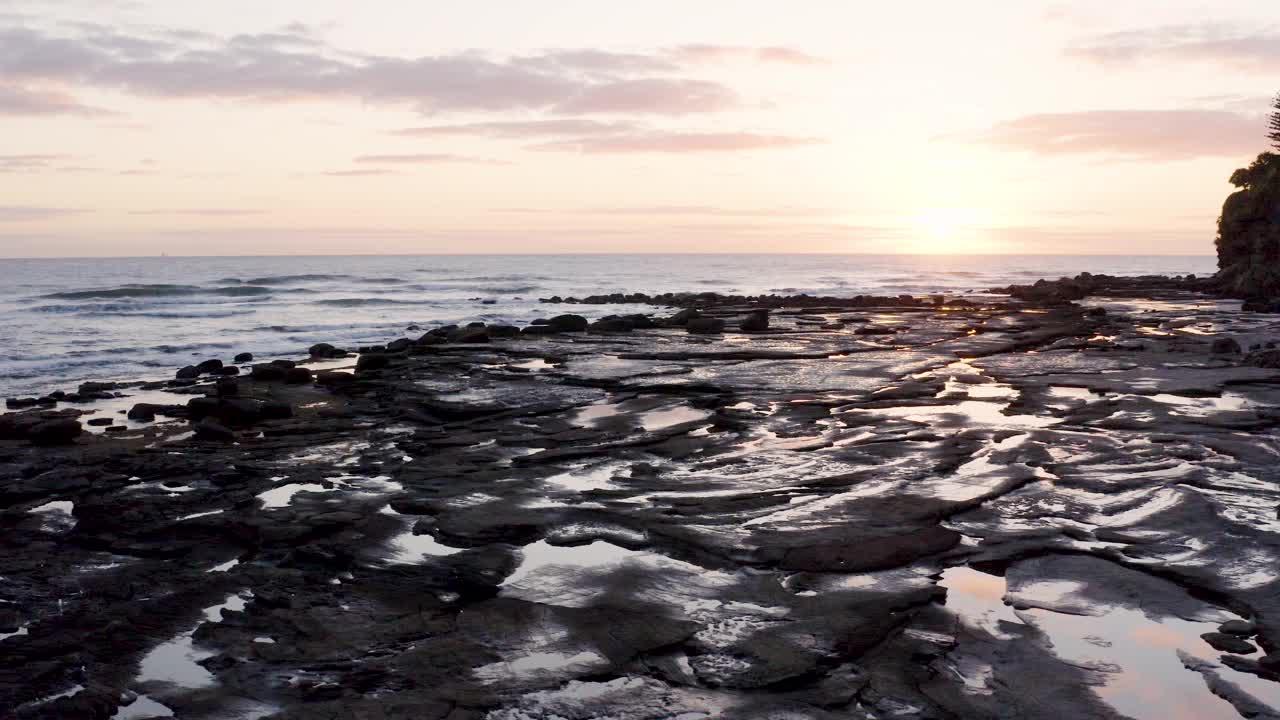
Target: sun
(948,229)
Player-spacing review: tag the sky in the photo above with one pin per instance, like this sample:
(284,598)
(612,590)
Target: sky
(246,127)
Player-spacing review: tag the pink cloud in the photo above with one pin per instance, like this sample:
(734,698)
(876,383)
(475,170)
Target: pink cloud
(1248,51)
(676,142)
(359,172)
(704,53)
(423,159)
(16,100)
(666,96)
(522,128)
(28,213)
(293,66)
(1154,135)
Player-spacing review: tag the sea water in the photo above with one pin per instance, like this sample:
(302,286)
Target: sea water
(63,321)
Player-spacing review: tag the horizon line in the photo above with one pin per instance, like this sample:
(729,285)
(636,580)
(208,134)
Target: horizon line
(604,254)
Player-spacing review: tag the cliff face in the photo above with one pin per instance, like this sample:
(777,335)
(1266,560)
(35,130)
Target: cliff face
(1249,232)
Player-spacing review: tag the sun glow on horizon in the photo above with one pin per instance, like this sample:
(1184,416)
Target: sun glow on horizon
(949,230)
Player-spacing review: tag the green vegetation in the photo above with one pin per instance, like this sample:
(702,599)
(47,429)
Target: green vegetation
(1249,231)
(1275,125)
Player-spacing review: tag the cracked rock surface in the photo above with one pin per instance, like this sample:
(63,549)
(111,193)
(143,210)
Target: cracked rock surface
(989,510)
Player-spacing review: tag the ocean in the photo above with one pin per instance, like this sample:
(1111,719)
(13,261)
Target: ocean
(64,321)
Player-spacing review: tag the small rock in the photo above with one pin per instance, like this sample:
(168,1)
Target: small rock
(1223,346)
(1228,643)
(210,366)
(190,372)
(244,357)
(1238,627)
(100,421)
(1269,359)
(321,350)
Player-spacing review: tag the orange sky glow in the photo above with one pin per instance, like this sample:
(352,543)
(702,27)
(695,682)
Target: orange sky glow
(322,127)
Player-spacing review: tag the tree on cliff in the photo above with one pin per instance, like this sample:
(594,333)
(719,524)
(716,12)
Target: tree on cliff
(1249,230)
(1275,125)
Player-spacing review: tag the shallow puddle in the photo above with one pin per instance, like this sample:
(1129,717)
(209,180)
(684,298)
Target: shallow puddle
(177,661)
(594,477)
(1138,656)
(409,549)
(541,555)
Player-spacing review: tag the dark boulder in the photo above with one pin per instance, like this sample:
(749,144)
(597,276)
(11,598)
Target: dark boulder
(503,331)
(372,361)
(210,366)
(705,326)
(640,322)
(210,429)
(297,375)
(757,321)
(202,407)
(100,421)
(331,378)
(190,372)
(1244,628)
(568,323)
(429,339)
(612,324)
(275,410)
(227,371)
(268,372)
(61,431)
(683,317)
(321,350)
(471,335)
(399,345)
(142,412)
(283,363)
(244,357)
(1229,643)
(1269,359)
(227,387)
(1224,346)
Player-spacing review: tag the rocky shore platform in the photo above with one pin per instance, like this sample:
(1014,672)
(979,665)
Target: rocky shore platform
(1040,504)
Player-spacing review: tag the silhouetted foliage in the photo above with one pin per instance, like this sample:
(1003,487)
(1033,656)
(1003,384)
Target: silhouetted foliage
(1249,231)
(1261,172)
(1275,125)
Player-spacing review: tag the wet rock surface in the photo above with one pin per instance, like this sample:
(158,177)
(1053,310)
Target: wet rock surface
(981,508)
